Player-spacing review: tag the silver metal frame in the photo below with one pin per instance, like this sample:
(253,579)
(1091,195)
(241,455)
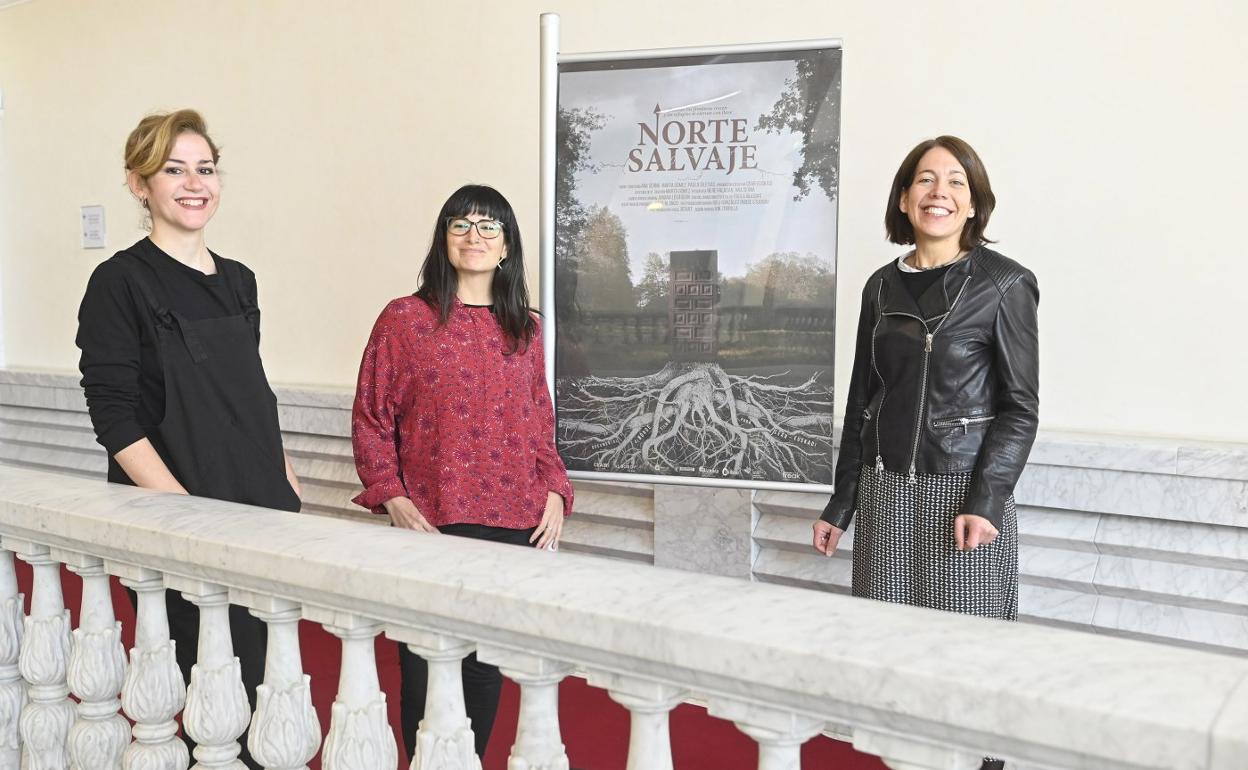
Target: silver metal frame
(550,61)
(705,50)
(546,181)
(701,481)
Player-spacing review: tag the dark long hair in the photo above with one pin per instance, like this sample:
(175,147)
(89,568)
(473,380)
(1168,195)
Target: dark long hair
(439,281)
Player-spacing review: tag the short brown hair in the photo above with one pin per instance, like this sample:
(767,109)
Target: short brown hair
(151,142)
(897,224)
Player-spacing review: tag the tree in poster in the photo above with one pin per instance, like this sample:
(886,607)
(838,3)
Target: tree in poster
(783,279)
(654,285)
(572,135)
(573,131)
(808,106)
(604,280)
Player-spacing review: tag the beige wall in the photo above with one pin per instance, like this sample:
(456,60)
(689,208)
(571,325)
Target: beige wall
(1113,132)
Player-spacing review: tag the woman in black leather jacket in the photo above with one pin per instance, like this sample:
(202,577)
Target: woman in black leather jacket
(943,399)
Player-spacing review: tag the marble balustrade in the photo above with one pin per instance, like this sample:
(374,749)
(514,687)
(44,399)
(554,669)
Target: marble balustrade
(921,689)
(1131,536)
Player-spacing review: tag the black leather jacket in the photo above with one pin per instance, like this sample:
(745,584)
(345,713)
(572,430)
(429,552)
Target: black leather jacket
(947,384)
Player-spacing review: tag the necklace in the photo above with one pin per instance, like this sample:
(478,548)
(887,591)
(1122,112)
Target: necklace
(909,260)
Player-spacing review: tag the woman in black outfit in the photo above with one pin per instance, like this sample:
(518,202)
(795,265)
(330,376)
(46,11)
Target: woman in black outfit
(169,334)
(943,401)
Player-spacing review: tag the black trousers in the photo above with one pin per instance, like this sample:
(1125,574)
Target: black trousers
(250,636)
(482,682)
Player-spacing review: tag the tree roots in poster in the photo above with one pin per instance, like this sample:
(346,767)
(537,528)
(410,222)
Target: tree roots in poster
(695,418)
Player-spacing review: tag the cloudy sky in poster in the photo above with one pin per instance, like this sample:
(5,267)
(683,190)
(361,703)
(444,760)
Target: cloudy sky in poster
(747,235)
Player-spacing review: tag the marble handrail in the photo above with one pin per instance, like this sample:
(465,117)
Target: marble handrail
(920,688)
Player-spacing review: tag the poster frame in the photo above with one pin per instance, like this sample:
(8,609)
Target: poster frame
(551,59)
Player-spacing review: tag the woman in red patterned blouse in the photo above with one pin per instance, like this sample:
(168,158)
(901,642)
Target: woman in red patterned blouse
(453,428)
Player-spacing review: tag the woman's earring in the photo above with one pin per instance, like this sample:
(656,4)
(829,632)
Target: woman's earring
(971,215)
(143,201)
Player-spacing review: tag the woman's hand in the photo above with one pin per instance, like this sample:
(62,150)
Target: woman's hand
(404,513)
(970,532)
(548,532)
(827,537)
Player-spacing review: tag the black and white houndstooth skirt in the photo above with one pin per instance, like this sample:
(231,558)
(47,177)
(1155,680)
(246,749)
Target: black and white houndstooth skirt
(904,550)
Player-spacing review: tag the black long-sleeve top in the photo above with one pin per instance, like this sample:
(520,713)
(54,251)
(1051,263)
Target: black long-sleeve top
(121,366)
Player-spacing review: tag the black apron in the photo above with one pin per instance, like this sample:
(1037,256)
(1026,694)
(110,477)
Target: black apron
(220,435)
(220,438)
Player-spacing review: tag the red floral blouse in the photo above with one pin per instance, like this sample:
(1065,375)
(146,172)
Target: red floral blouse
(442,416)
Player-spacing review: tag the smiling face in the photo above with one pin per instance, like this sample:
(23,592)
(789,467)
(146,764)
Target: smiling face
(938,201)
(470,253)
(183,195)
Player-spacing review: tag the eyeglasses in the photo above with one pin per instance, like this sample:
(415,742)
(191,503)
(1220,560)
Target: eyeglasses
(486,228)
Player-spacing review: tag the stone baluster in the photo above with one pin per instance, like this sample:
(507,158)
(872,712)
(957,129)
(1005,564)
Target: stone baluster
(648,702)
(153,692)
(904,753)
(444,740)
(44,660)
(217,711)
(360,737)
(779,733)
(97,670)
(12,688)
(539,744)
(285,732)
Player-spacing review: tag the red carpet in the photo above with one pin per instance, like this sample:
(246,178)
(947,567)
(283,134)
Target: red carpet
(595,728)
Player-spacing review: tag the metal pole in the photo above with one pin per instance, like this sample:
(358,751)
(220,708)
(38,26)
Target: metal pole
(546,207)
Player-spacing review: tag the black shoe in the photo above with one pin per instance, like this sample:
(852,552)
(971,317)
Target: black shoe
(992,764)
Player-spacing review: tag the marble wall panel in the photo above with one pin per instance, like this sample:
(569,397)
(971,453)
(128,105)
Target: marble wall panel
(335,496)
(1105,452)
(1155,621)
(1056,567)
(1222,590)
(618,509)
(92,463)
(1057,528)
(326,398)
(315,420)
(703,529)
(36,416)
(39,378)
(1213,461)
(340,472)
(630,543)
(1184,498)
(790,503)
(66,399)
(788,532)
(67,437)
(1058,606)
(790,568)
(309,444)
(1200,544)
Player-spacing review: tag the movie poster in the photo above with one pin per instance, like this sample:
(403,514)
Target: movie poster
(695,265)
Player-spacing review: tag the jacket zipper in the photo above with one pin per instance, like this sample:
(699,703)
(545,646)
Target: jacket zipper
(879,457)
(927,353)
(965,422)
